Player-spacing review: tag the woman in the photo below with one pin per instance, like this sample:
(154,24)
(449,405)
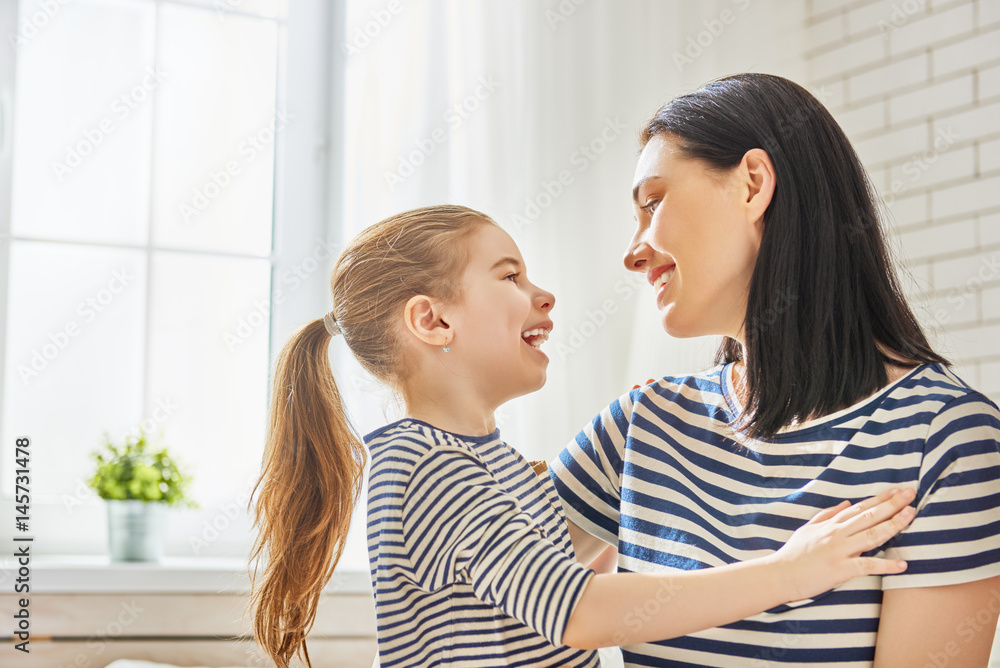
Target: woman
(756,221)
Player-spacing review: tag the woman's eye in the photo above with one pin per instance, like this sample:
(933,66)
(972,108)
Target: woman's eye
(651,207)
(511,277)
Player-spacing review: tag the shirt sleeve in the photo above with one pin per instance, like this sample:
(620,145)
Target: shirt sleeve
(955,536)
(459,525)
(587,473)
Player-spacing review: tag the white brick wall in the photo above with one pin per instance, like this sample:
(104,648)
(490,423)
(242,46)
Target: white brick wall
(916,86)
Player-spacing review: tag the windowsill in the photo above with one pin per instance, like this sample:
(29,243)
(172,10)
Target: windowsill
(95,574)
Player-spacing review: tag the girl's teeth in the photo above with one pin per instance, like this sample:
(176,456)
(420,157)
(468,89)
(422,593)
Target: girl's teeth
(542,335)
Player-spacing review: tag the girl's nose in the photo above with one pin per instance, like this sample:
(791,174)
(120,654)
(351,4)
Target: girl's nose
(544,300)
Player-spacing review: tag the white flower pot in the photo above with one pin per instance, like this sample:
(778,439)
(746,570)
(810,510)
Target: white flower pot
(137,530)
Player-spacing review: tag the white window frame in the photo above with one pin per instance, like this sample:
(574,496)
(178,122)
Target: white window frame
(307,187)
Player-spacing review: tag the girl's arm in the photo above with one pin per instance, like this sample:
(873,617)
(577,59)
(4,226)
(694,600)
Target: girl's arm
(952,625)
(630,608)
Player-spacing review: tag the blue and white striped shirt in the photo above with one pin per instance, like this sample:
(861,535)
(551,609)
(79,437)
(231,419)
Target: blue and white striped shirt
(471,560)
(659,474)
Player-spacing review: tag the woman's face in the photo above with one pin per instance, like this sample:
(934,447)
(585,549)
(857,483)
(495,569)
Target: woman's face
(697,237)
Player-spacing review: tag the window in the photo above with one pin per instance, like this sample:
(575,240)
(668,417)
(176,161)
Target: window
(142,244)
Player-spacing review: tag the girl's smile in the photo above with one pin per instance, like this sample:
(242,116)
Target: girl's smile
(537,335)
(501,320)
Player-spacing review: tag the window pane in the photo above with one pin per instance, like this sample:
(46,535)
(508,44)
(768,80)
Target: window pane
(74,357)
(215,127)
(82,121)
(209,355)
(266,8)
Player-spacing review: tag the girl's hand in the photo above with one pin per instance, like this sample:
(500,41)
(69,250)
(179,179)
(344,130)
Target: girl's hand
(825,552)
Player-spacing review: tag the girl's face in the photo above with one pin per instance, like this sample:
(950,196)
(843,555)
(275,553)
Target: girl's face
(501,320)
(697,239)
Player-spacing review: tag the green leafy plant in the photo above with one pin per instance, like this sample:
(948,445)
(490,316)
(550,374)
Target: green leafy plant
(137,470)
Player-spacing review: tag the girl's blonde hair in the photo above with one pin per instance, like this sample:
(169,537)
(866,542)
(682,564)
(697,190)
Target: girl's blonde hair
(313,462)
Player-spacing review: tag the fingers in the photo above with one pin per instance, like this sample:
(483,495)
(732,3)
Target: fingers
(880,511)
(876,566)
(826,514)
(876,509)
(863,506)
(876,535)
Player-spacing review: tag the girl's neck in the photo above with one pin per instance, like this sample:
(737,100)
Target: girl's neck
(449,398)
(459,415)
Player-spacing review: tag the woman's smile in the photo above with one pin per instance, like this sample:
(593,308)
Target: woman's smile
(659,278)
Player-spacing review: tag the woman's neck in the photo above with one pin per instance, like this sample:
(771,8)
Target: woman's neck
(740,388)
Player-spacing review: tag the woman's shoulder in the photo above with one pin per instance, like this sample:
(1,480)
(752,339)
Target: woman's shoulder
(934,387)
(961,411)
(703,384)
(931,399)
(702,393)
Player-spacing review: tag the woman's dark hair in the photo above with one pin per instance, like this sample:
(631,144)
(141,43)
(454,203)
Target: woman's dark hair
(824,293)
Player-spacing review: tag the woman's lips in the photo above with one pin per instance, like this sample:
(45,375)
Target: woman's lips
(661,277)
(654,274)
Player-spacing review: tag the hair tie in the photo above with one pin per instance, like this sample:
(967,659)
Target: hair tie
(331,324)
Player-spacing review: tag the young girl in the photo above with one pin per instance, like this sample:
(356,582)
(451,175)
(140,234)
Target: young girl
(471,560)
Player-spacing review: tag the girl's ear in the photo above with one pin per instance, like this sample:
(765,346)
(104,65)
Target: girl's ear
(424,317)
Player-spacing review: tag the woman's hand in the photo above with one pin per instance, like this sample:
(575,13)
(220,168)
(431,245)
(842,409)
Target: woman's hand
(822,554)
(825,552)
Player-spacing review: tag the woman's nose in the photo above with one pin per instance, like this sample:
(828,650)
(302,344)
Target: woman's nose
(636,254)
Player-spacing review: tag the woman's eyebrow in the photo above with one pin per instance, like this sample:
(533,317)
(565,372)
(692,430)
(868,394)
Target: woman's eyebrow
(640,184)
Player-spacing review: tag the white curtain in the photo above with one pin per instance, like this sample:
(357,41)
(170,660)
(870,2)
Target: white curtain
(529,111)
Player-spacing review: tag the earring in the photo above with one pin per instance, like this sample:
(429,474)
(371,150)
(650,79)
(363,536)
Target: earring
(446,349)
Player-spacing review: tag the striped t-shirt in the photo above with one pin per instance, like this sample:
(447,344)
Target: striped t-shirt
(471,560)
(659,474)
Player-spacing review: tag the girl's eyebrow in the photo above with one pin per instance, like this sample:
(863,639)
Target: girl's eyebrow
(507,260)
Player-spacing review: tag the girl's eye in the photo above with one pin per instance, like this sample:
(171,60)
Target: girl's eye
(651,207)
(511,277)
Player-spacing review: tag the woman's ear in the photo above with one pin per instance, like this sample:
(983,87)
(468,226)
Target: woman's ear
(758,175)
(424,318)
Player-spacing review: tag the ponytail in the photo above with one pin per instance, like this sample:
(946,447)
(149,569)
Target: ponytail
(308,487)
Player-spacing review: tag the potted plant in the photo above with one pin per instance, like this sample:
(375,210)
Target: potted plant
(139,483)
